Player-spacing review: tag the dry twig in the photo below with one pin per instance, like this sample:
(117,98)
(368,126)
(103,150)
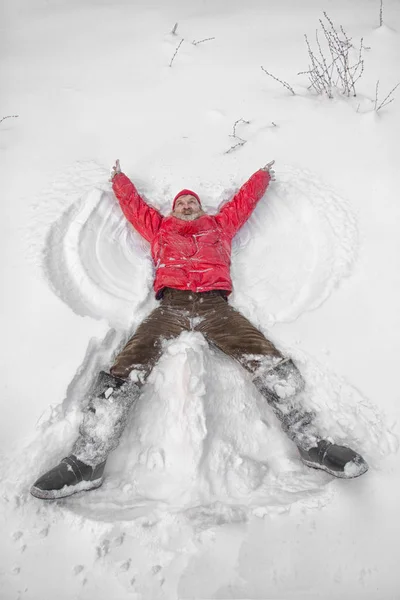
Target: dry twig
(241,141)
(286,85)
(176,52)
(386,101)
(9,117)
(201,41)
(326,75)
(376,94)
(175,27)
(381,15)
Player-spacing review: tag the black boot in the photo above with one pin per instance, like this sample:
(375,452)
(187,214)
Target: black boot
(339,461)
(102,426)
(68,477)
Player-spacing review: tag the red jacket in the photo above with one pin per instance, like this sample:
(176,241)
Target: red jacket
(191,255)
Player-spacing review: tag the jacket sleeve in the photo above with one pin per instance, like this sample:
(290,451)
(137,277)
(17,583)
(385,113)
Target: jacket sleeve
(145,219)
(235,213)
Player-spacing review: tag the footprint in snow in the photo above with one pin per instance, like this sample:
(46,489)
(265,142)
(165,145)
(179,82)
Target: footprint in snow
(78,569)
(126,565)
(103,549)
(156,569)
(44,532)
(119,540)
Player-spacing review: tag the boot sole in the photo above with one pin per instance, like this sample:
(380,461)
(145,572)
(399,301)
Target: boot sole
(339,474)
(83,486)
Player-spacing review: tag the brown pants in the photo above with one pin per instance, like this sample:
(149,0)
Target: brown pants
(206,312)
(276,377)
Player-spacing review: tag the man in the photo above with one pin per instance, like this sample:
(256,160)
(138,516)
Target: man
(191,252)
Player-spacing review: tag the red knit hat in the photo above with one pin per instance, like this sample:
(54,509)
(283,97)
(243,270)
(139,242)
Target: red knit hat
(185,193)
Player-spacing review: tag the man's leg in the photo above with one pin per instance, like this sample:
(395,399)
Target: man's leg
(106,414)
(103,421)
(279,381)
(276,376)
(143,350)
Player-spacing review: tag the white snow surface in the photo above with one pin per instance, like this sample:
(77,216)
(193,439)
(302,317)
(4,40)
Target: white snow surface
(205,497)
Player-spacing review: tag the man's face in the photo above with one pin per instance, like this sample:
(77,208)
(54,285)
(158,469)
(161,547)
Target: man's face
(187,208)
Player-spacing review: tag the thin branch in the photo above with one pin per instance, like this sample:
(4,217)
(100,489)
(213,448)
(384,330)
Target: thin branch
(175,27)
(341,52)
(376,94)
(347,41)
(320,51)
(201,41)
(339,49)
(286,85)
(360,61)
(385,103)
(236,123)
(176,52)
(9,117)
(381,15)
(318,75)
(241,141)
(335,55)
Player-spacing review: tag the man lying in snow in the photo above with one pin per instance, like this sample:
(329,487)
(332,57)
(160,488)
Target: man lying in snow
(191,252)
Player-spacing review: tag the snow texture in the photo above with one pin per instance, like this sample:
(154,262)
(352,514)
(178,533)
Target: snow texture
(205,496)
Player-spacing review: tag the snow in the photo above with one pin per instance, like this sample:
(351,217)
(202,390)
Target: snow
(353,469)
(205,497)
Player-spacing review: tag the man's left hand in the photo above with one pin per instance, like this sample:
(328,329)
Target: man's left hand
(268,167)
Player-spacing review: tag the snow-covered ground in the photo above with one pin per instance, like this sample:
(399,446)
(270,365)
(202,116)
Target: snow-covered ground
(205,497)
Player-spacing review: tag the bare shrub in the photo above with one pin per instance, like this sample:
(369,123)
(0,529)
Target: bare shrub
(333,71)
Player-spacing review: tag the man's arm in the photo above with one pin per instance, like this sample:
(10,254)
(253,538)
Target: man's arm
(145,219)
(236,212)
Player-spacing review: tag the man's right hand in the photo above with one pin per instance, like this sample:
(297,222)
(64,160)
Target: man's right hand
(116,169)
